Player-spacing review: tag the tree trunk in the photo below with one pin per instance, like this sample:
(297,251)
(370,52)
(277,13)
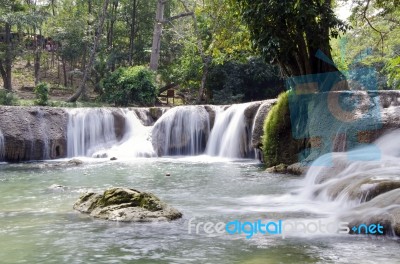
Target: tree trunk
(132,33)
(155,48)
(64,65)
(6,64)
(205,59)
(86,74)
(38,53)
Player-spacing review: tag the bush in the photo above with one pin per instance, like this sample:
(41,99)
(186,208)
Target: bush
(8,98)
(278,145)
(133,85)
(42,94)
(236,82)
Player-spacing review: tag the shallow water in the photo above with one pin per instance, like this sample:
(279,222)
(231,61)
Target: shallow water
(38,224)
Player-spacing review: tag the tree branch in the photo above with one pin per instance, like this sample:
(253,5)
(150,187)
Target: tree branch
(370,25)
(177,16)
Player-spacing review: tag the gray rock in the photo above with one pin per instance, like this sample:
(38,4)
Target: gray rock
(383,209)
(297,168)
(258,128)
(33,133)
(126,205)
(57,188)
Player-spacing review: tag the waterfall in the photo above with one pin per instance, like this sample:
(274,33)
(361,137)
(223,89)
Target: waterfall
(231,134)
(136,141)
(90,130)
(182,130)
(356,176)
(360,187)
(2,146)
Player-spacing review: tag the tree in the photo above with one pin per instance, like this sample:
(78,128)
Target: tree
(133,85)
(86,74)
(289,33)
(158,28)
(373,41)
(214,36)
(10,14)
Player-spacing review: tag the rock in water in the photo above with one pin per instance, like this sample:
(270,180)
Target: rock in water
(126,205)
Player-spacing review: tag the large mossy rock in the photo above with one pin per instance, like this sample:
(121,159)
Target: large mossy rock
(126,205)
(278,145)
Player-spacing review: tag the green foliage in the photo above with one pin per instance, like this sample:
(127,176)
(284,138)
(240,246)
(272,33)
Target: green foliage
(290,33)
(42,93)
(278,145)
(236,82)
(132,85)
(8,98)
(373,42)
(393,70)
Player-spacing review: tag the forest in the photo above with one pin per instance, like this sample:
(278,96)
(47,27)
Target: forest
(131,52)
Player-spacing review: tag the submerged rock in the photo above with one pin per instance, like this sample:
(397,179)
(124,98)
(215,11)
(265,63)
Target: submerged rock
(126,205)
(57,188)
(281,168)
(383,209)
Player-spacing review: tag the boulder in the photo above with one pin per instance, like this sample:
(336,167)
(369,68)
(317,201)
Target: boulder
(144,116)
(126,205)
(383,209)
(281,168)
(119,123)
(211,111)
(336,129)
(259,118)
(157,112)
(33,133)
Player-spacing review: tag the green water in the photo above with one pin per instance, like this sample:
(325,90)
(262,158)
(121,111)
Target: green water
(38,224)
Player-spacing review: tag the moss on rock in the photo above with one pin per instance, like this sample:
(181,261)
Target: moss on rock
(278,145)
(123,204)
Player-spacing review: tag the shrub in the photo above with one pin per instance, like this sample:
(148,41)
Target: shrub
(8,98)
(42,94)
(133,85)
(278,144)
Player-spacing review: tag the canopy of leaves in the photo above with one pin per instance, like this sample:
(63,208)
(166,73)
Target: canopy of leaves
(373,41)
(133,85)
(290,33)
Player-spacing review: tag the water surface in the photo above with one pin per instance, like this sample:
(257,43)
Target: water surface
(38,224)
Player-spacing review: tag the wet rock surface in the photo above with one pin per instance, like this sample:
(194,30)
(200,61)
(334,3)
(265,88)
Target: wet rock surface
(126,205)
(33,133)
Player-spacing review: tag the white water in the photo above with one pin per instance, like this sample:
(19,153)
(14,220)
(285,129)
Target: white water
(354,174)
(230,136)
(2,146)
(136,141)
(182,131)
(90,130)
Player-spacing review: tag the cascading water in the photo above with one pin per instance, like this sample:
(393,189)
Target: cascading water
(90,130)
(2,146)
(359,186)
(136,141)
(182,131)
(231,135)
(354,175)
